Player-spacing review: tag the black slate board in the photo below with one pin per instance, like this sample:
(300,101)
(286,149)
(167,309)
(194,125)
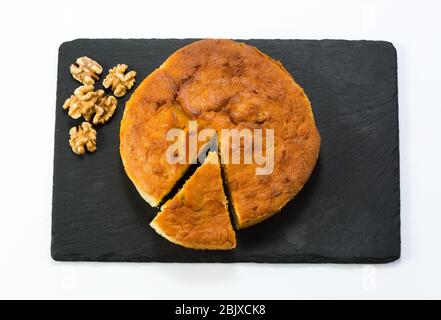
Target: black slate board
(349,211)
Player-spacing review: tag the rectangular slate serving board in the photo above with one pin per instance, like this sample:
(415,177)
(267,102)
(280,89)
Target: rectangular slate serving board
(348,212)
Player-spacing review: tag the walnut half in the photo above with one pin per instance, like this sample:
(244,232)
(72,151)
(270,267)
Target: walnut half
(86,70)
(83,101)
(104,109)
(118,81)
(82,138)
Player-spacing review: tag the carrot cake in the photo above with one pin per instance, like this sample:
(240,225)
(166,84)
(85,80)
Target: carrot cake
(222,84)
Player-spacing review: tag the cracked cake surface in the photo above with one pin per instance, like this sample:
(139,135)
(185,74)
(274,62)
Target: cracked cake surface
(221,84)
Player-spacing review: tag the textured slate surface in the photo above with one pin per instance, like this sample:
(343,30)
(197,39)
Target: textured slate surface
(349,211)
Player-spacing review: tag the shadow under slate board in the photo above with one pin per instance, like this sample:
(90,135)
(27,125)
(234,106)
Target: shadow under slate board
(348,212)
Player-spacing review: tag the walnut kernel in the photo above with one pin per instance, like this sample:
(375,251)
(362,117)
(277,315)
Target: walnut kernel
(82,138)
(104,109)
(86,70)
(118,81)
(83,101)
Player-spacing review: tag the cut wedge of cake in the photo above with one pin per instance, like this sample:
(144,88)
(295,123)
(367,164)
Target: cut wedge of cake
(197,216)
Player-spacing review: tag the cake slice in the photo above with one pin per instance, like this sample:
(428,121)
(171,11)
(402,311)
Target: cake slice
(197,216)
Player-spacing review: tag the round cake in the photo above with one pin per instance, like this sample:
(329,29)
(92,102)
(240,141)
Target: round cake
(221,84)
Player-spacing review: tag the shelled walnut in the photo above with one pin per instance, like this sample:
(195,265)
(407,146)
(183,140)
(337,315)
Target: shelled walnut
(104,109)
(118,81)
(86,70)
(83,138)
(83,101)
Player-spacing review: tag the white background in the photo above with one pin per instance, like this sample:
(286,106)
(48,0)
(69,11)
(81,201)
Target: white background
(30,35)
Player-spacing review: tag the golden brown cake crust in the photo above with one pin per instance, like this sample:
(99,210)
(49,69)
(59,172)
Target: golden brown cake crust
(222,84)
(197,216)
